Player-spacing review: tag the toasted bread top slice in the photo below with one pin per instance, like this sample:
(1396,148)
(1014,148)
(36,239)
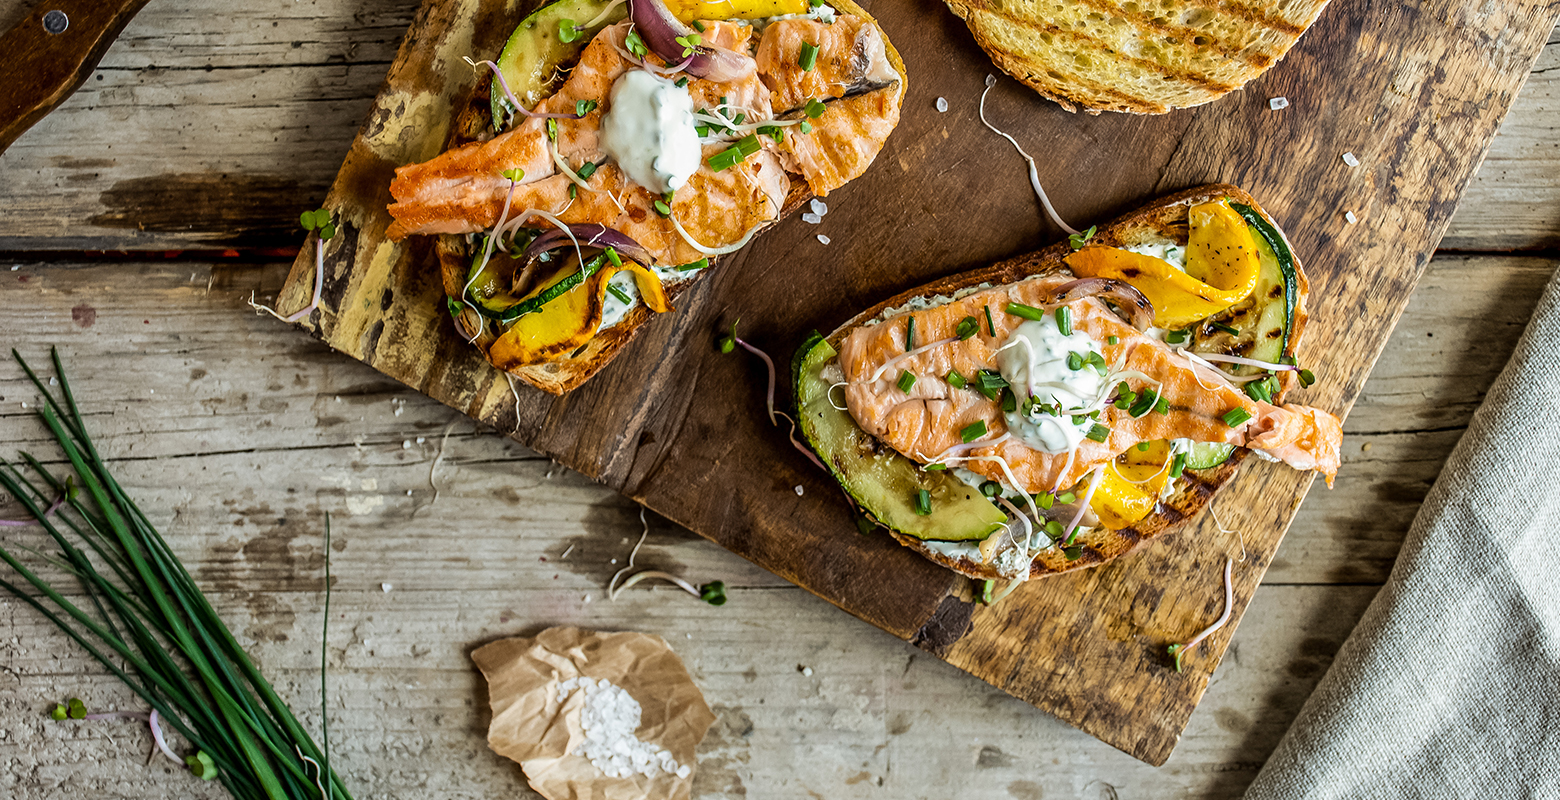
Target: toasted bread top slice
(1136,56)
(1164,219)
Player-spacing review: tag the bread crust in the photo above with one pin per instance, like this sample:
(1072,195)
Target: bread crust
(1164,218)
(563,375)
(1143,57)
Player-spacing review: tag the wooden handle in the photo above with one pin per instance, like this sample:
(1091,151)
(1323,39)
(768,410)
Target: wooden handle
(51,53)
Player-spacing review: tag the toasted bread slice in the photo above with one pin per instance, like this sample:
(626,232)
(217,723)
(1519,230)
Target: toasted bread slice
(1165,219)
(1137,56)
(472,123)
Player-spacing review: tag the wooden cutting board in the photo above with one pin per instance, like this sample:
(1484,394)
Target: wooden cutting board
(1415,92)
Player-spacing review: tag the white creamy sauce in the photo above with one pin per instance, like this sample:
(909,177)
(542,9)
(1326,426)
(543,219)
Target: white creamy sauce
(1042,367)
(823,13)
(648,129)
(1169,252)
(614,309)
(973,479)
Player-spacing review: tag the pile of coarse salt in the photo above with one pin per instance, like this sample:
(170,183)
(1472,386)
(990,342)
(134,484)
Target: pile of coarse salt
(609,718)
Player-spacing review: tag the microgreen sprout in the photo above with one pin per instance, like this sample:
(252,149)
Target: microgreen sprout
(584,107)
(635,44)
(1178,651)
(567,31)
(713,593)
(59,712)
(728,342)
(689,43)
(814,109)
(319,222)
(201,766)
(1078,240)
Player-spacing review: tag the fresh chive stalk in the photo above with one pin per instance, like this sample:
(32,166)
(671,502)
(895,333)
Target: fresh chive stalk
(152,627)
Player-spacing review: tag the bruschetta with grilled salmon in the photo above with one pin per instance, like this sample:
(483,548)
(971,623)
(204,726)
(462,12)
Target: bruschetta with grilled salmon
(623,144)
(1055,411)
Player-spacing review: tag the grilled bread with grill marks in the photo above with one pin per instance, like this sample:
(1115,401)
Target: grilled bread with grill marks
(1136,56)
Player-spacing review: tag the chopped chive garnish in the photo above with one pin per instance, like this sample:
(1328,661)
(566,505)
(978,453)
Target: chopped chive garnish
(1113,340)
(1064,320)
(991,327)
(682,83)
(574,190)
(1009,400)
(1162,407)
(772,131)
(906,380)
(698,26)
(806,126)
(621,295)
(973,431)
(1074,362)
(1307,377)
(612,255)
(1146,402)
(1236,417)
(566,31)
(990,488)
(969,326)
(923,502)
(955,380)
(910,334)
(814,109)
(986,586)
(1258,390)
(1231,330)
(586,170)
(935,467)
(1176,337)
(991,380)
(693,265)
(1177,466)
(1097,433)
(1143,446)
(809,57)
(738,121)
(725,159)
(1025,312)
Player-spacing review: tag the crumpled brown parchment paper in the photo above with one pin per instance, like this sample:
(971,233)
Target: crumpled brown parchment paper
(532,727)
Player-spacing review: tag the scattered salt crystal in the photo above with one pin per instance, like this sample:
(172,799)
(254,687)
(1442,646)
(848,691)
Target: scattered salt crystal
(24,405)
(406,445)
(614,561)
(823,238)
(609,718)
(807,671)
(1277,103)
(338,398)
(54,382)
(587,598)
(422,439)
(942,104)
(1348,158)
(408,492)
(153,391)
(385,587)
(798,490)
(819,207)
(15,267)
(811,218)
(1349,215)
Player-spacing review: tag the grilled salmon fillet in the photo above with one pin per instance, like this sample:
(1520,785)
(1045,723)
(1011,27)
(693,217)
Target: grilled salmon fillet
(927,421)
(462,190)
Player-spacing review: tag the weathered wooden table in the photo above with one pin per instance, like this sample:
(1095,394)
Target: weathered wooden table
(209,127)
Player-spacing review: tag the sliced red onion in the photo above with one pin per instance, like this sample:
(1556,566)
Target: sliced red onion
(588,235)
(661,29)
(1137,308)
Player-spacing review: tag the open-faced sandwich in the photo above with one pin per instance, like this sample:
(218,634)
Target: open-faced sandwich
(1055,411)
(620,147)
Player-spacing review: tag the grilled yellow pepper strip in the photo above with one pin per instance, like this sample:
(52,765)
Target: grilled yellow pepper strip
(690,10)
(1129,488)
(571,320)
(1221,268)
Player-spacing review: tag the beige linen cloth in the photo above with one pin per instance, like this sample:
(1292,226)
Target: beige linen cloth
(1450,686)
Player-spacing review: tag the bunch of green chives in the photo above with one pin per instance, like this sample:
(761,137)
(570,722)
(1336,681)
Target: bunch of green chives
(147,613)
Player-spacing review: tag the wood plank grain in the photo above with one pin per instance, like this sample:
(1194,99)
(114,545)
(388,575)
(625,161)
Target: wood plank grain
(658,424)
(243,446)
(316,66)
